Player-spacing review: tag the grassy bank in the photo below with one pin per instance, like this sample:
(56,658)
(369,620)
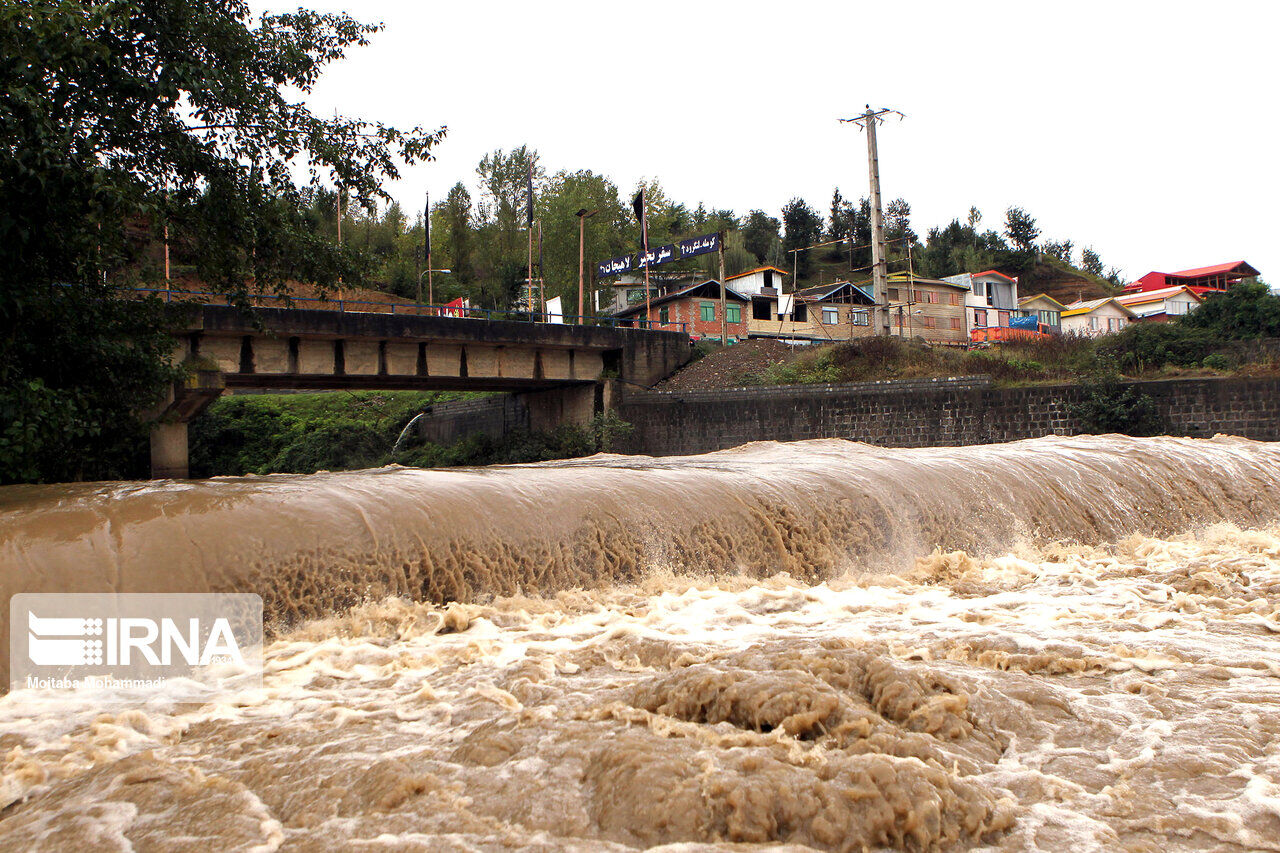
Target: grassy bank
(335,431)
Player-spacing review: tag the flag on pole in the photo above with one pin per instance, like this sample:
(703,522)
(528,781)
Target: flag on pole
(529,199)
(637,204)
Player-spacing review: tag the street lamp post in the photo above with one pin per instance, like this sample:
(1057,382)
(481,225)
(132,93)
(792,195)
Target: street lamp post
(582,239)
(431,296)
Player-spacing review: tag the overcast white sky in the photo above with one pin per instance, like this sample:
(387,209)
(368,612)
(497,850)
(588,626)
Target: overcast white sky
(1149,130)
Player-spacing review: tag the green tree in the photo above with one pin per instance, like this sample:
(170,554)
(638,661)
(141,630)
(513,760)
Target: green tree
(803,227)
(1247,311)
(605,231)
(459,227)
(1090,262)
(759,233)
(1060,249)
(1021,229)
(117,116)
(501,215)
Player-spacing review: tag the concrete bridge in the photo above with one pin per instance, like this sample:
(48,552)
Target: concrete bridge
(556,369)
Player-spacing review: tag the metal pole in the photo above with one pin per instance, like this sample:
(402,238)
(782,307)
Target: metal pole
(582,237)
(426,227)
(542,278)
(878,268)
(529,302)
(724,314)
(648,308)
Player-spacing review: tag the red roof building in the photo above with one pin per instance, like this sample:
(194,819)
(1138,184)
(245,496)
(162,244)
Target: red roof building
(1200,280)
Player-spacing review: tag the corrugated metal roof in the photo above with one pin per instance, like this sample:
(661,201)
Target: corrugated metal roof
(756,270)
(1077,308)
(994,272)
(1024,300)
(729,292)
(1230,266)
(1155,295)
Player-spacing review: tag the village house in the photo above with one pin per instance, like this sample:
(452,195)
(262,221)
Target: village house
(761,281)
(627,290)
(1161,305)
(1046,310)
(838,311)
(1096,317)
(1201,280)
(933,309)
(991,299)
(697,307)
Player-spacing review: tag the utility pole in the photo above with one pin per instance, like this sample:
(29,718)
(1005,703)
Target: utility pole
(724,312)
(582,241)
(879,269)
(426,242)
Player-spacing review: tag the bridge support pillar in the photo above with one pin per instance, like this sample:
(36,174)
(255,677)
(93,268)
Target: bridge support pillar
(169,451)
(572,404)
(187,398)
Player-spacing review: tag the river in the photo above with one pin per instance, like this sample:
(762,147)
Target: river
(1049,644)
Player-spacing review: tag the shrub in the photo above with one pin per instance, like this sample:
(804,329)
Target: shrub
(1109,406)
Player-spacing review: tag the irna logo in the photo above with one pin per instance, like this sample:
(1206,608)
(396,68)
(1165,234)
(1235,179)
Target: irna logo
(134,640)
(90,641)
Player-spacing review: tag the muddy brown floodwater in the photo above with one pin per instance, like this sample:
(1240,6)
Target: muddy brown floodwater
(1091,663)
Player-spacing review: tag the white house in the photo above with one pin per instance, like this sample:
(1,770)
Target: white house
(1096,317)
(761,281)
(992,298)
(1161,305)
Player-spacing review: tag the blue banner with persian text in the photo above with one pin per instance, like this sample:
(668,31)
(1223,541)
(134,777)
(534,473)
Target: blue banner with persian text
(614,266)
(699,245)
(660,255)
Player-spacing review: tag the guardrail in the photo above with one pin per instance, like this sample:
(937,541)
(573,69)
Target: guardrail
(349,306)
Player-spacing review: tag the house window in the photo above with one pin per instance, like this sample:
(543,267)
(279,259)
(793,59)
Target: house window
(980,318)
(1004,318)
(708,312)
(1093,323)
(861,318)
(830,316)
(664,315)
(980,288)
(955,323)
(931,297)
(761,309)
(733,313)
(800,312)
(893,294)
(955,299)
(1049,318)
(929,322)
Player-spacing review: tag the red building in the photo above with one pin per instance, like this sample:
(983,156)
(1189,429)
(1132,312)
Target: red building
(1201,280)
(697,308)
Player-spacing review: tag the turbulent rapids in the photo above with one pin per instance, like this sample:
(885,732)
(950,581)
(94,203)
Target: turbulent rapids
(1051,644)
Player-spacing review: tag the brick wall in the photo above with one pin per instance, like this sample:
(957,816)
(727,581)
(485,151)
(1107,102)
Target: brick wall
(947,412)
(494,416)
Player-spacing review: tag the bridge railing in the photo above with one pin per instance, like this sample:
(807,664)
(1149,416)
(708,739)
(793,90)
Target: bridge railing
(364,306)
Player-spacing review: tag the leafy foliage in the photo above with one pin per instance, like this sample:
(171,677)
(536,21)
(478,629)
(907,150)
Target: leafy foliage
(1108,406)
(117,116)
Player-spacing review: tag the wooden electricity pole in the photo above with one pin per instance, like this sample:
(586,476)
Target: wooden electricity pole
(724,311)
(879,269)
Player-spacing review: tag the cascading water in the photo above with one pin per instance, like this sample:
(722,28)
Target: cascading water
(404,433)
(1039,645)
